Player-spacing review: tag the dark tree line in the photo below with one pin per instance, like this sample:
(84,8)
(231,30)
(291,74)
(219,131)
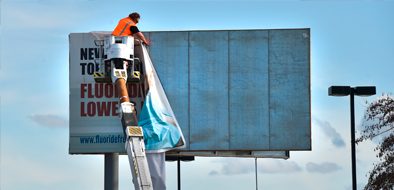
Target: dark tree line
(379,123)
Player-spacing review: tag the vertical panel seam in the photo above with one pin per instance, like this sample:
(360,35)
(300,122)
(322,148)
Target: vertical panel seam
(269,89)
(310,93)
(228,90)
(188,85)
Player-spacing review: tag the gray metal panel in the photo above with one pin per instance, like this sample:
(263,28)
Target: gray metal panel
(209,108)
(249,117)
(289,89)
(170,57)
(233,153)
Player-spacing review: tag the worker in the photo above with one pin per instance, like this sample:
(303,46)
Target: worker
(156,159)
(128,27)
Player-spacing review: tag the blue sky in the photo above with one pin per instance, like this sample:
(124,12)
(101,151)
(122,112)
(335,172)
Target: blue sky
(351,44)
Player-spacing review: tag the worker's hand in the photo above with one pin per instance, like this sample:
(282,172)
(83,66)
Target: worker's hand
(147,42)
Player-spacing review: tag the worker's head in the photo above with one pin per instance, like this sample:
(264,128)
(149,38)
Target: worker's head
(135,17)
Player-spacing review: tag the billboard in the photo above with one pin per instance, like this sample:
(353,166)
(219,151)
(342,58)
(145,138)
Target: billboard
(233,92)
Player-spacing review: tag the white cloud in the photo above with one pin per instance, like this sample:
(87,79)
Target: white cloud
(330,132)
(278,166)
(49,120)
(213,172)
(325,167)
(237,166)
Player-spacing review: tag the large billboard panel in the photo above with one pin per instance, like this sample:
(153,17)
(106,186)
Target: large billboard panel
(232,91)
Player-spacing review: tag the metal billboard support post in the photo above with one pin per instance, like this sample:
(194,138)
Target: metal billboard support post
(111,171)
(255,170)
(179,173)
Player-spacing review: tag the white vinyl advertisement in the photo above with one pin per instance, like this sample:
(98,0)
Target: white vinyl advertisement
(95,125)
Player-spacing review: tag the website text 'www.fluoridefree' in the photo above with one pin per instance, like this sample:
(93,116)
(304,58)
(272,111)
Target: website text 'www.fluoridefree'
(102,139)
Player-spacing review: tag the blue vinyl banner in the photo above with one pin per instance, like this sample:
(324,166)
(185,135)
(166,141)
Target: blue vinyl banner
(161,129)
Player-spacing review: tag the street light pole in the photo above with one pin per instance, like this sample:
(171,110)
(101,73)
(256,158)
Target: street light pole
(353,139)
(352,91)
(179,159)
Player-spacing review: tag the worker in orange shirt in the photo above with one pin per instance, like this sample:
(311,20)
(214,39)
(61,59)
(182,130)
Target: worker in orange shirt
(156,160)
(128,27)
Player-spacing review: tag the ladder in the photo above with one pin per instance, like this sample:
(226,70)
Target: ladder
(118,66)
